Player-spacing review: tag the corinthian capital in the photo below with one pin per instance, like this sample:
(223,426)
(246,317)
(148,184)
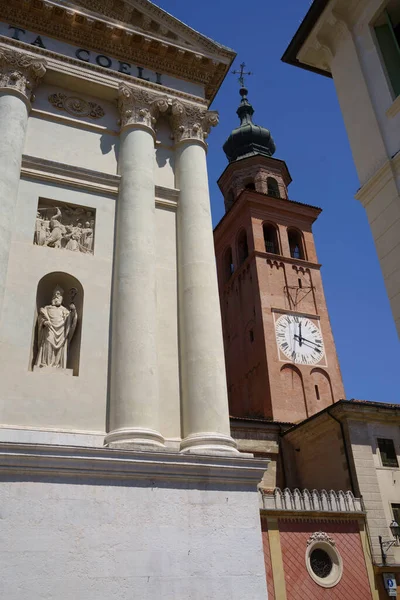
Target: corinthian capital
(192,122)
(140,107)
(20,71)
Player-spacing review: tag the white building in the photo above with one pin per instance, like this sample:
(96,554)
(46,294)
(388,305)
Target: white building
(120,477)
(357,42)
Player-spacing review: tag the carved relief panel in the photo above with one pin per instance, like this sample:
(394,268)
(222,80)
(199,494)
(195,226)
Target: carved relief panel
(65,226)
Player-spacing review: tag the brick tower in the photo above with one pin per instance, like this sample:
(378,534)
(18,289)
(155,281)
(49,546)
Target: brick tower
(280,354)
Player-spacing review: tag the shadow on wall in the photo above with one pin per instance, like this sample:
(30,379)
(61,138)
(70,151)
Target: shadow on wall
(73,291)
(109,143)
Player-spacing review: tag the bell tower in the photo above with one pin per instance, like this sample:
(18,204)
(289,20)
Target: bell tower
(281,359)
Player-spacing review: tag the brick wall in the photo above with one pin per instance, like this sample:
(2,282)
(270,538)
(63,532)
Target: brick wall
(354,584)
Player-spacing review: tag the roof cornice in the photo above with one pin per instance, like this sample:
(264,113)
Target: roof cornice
(205,64)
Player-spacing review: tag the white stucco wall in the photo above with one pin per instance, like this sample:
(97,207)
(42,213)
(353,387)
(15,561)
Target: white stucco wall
(372,118)
(133,536)
(66,402)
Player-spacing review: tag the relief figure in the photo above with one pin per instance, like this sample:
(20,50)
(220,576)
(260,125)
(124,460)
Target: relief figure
(64,229)
(56,327)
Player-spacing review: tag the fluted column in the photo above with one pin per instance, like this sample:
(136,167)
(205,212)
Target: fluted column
(134,394)
(205,415)
(20,73)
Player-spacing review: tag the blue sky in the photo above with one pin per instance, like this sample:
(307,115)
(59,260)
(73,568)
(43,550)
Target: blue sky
(302,112)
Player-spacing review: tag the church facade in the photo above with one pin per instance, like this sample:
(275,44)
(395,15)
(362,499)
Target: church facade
(119,472)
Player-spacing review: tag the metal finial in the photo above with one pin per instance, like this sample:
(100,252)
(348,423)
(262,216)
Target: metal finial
(241,74)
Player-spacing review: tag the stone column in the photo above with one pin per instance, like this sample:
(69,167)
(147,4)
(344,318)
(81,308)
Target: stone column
(205,415)
(134,396)
(19,75)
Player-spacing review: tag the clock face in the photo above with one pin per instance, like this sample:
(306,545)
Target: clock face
(299,339)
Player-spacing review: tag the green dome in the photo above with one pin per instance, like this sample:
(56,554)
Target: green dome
(248,139)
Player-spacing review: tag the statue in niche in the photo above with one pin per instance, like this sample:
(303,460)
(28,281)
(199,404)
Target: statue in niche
(56,327)
(65,229)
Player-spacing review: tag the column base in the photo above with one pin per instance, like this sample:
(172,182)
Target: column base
(209,443)
(138,438)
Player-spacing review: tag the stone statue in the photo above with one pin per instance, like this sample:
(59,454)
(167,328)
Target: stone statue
(87,237)
(57,230)
(56,327)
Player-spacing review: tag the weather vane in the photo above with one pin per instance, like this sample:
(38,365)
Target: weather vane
(242,73)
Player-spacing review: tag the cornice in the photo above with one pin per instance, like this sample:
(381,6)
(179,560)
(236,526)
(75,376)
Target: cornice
(90,72)
(72,24)
(40,169)
(307,516)
(126,9)
(384,175)
(70,462)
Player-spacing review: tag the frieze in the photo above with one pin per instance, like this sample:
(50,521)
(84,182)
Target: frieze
(65,227)
(20,71)
(78,107)
(117,77)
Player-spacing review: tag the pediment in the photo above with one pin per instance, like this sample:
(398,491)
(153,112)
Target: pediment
(149,19)
(136,31)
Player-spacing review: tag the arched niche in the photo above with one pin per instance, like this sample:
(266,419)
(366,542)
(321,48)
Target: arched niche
(271,238)
(322,386)
(273,187)
(296,244)
(293,387)
(242,246)
(44,293)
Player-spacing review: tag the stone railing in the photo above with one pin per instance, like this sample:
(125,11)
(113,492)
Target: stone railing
(308,501)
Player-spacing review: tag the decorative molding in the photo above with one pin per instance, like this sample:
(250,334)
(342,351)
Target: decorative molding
(112,464)
(311,501)
(84,179)
(20,72)
(320,536)
(140,107)
(382,177)
(192,122)
(61,64)
(77,107)
(69,175)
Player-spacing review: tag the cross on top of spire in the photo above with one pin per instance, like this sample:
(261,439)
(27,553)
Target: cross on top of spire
(241,74)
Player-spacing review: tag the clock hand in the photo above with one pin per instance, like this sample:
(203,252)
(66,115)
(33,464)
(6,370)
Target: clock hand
(299,336)
(308,342)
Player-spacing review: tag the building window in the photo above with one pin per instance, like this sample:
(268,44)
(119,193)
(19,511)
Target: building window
(228,264)
(271,239)
(251,335)
(317,392)
(323,561)
(387,452)
(396,513)
(387,30)
(295,244)
(243,249)
(250,186)
(273,187)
